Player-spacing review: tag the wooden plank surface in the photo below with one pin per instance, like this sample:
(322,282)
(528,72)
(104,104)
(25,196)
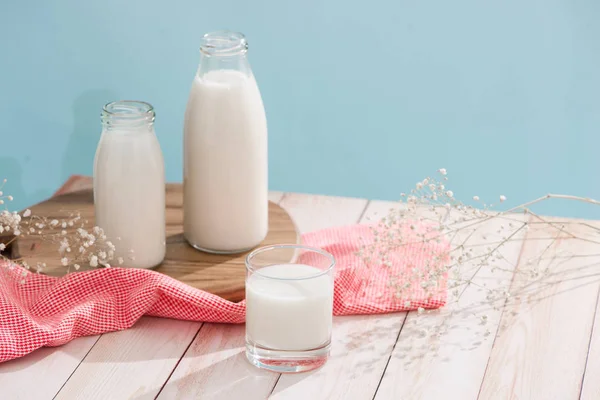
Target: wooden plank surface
(442,354)
(204,372)
(591,380)
(541,350)
(51,367)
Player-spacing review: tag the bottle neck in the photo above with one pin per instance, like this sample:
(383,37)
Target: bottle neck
(223,50)
(229,63)
(127,115)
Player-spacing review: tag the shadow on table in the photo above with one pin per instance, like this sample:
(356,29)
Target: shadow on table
(75,350)
(195,383)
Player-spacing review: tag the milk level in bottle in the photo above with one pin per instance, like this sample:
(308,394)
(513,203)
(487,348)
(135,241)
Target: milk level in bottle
(129,184)
(225,151)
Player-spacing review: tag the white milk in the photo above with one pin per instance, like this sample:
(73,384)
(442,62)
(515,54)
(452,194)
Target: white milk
(292,314)
(129,195)
(225,163)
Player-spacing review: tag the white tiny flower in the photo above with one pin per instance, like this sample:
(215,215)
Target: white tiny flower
(94,261)
(76,266)
(425,181)
(32,230)
(120,261)
(419,185)
(64,261)
(502,198)
(54,222)
(63,233)
(476,198)
(1,201)
(17,232)
(2,246)
(420,310)
(1,229)
(1,193)
(442,171)
(63,225)
(27,213)
(10,198)
(449,193)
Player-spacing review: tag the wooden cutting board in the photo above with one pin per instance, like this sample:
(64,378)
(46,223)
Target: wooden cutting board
(223,275)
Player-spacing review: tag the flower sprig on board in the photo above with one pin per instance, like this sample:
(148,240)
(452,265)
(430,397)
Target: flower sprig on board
(76,243)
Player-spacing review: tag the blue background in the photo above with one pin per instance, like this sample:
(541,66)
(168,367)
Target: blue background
(363,98)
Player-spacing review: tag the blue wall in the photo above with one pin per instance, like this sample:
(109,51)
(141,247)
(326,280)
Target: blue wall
(363,98)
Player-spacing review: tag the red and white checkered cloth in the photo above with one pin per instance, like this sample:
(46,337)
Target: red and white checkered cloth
(48,311)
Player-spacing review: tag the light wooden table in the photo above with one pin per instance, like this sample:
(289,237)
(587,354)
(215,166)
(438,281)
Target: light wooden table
(550,350)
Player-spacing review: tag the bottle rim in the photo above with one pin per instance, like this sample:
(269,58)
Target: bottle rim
(128,112)
(223,43)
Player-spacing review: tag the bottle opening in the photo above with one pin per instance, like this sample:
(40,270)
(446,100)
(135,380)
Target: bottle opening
(223,43)
(128,112)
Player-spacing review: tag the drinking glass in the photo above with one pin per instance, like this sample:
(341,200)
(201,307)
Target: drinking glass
(289,307)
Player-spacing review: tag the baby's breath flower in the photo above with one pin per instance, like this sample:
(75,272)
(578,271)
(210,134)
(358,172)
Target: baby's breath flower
(502,198)
(420,310)
(2,246)
(27,213)
(442,171)
(76,266)
(64,261)
(94,261)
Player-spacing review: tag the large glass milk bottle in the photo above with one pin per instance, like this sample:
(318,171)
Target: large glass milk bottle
(225,150)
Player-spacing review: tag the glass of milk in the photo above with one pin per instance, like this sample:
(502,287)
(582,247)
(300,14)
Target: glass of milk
(289,307)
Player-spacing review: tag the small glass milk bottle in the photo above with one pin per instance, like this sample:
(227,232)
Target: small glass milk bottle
(225,150)
(129,184)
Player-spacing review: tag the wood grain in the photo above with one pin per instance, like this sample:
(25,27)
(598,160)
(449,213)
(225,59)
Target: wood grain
(541,349)
(51,367)
(133,363)
(223,275)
